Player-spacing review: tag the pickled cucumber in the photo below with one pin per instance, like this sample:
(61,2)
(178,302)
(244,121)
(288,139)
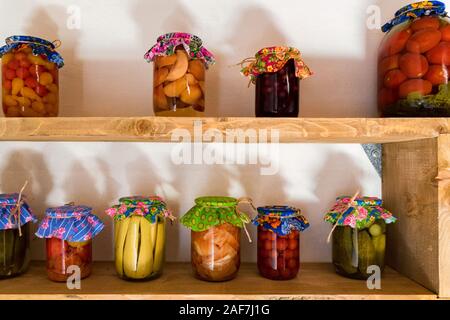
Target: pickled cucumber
(343,249)
(379,244)
(366,253)
(14,249)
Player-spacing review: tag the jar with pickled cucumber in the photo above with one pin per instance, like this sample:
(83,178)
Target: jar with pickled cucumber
(279,230)
(358,235)
(140,237)
(15,219)
(30,77)
(276,72)
(180,64)
(413,62)
(69,231)
(215,224)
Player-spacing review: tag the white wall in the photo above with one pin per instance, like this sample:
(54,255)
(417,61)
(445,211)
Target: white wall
(105,75)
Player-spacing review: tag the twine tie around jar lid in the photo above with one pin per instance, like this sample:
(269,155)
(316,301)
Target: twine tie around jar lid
(16,211)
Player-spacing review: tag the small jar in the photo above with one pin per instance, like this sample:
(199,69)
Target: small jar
(215,224)
(359,235)
(14,235)
(413,62)
(279,230)
(68,231)
(140,237)
(30,80)
(180,67)
(276,72)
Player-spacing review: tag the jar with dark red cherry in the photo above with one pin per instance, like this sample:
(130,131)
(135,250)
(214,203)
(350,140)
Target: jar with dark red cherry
(276,72)
(68,231)
(413,62)
(279,230)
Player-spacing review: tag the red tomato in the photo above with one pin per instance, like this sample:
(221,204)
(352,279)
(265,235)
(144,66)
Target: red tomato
(268,245)
(437,75)
(425,23)
(395,43)
(41,90)
(389,63)
(22,73)
(20,56)
(413,65)
(387,97)
(55,247)
(394,78)
(423,87)
(36,70)
(25,63)
(292,264)
(293,244)
(10,74)
(13,64)
(445,30)
(281,263)
(423,40)
(31,82)
(440,54)
(281,244)
(7,84)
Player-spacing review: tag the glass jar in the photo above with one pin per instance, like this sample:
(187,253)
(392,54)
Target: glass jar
(279,241)
(68,231)
(358,235)
(412,63)
(215,224)
(276,72)
(14,237)
(139,237)
(30,80)
(179,75)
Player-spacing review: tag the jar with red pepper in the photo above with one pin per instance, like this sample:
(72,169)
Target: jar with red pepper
(68,231)
(276,72)
(413,62)
(279,230)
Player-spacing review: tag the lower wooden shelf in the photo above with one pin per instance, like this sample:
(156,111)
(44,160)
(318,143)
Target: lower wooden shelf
(316,281)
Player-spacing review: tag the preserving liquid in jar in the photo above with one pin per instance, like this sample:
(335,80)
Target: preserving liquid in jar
(14,251)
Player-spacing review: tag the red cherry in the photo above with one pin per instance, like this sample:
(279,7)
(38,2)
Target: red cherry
(25,63)
(31,82)
(10,74)
(41,90)
(13,64)
(22,73)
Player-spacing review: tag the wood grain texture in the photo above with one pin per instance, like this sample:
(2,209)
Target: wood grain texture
(410,192)
(160,129)
(443,181)
(316,281)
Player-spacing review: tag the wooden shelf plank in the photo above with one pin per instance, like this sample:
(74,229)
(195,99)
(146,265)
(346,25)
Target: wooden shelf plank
(160,129)
(316,281)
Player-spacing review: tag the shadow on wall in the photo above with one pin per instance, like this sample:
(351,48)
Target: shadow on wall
(49,22)
(29,165)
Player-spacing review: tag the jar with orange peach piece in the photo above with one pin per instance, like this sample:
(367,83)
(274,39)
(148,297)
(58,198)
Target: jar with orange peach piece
(414,58)
(30,80)
(180,64)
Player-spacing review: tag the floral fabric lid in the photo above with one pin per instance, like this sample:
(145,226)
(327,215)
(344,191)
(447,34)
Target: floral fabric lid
(167,43)
(38,45)
(414,11)
(148,207)
(360,213)
(14,212)
(71,223)
(281,219)
(213,211)
(273,59)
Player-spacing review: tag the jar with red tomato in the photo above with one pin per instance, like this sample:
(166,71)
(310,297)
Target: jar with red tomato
(413,63)
(30,80)
(279,230)
(68,231)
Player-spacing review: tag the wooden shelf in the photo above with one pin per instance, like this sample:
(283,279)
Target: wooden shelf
(292,130)
(316,281)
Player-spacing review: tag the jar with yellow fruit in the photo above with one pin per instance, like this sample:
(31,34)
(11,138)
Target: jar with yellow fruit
(30,77)
(179,75)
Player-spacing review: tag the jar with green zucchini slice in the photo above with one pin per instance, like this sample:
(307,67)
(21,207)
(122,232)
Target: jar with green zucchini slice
(140,236)
(358,235)
(15,215)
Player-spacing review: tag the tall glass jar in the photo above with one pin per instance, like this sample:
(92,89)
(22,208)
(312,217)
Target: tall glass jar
(68,231)
(14,236)
(139,237)
(279,241)
(276,72)
(215,224)
(180,62)
(358,235)
(30,80)
(413,63)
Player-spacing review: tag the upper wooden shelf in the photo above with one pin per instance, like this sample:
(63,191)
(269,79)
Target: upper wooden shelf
(160,129)
(315,281)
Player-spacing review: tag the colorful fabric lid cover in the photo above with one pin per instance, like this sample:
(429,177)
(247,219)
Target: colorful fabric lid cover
(9,211)
(148,207)
(281,219)
(71,223)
